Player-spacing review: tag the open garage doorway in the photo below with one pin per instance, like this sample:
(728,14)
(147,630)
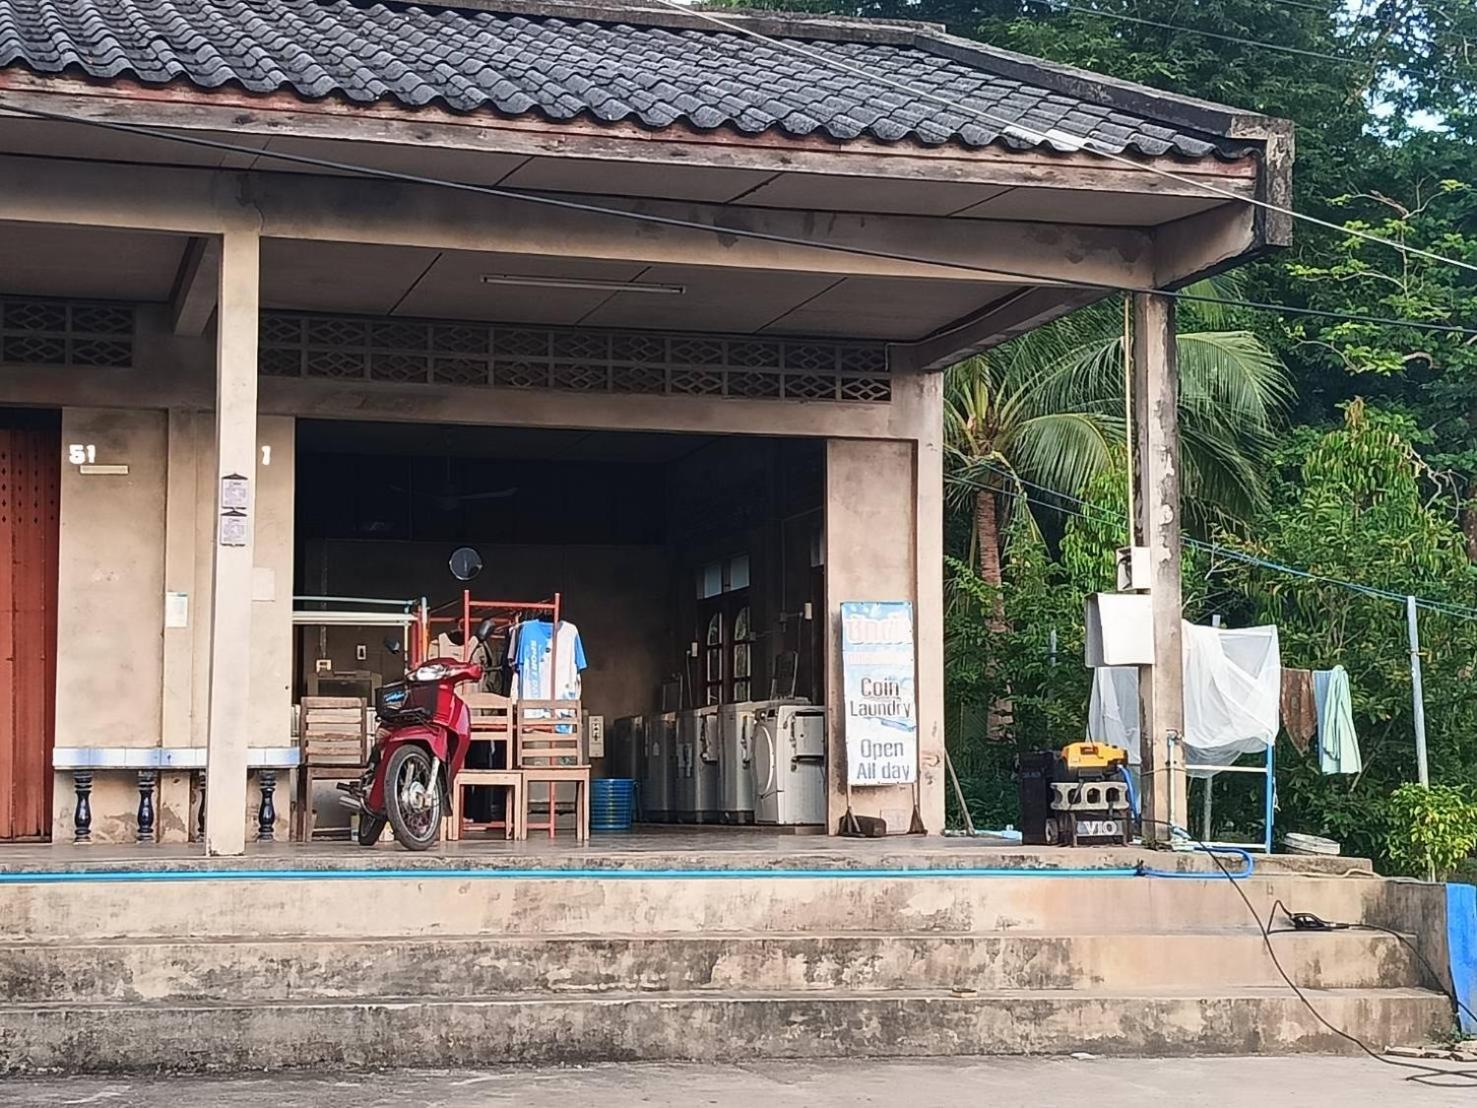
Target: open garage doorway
(691,566)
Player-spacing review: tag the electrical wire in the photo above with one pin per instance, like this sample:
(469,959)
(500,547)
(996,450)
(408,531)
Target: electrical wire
(1338,925)
(1321,9)
(1017,129)
(145,131)
(1095,513)
(1055,5)
(1423,1074)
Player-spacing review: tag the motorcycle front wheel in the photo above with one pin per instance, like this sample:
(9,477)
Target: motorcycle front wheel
(370,829)
(413,800)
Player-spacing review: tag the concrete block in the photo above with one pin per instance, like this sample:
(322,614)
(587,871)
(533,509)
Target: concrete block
(689,1027)
(492,966)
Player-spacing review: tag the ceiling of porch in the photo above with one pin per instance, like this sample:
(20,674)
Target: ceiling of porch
(351,278)
(411,281)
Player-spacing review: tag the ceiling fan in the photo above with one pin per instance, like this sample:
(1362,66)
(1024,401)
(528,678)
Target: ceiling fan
(449,498)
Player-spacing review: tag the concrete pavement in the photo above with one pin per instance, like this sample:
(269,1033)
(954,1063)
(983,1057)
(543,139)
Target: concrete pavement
(944,1083)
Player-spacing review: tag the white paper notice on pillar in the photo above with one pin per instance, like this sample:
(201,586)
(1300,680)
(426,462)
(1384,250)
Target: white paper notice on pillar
(878,676)
(235,525)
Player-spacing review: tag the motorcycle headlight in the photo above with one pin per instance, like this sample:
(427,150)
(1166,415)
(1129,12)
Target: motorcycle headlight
(433,672)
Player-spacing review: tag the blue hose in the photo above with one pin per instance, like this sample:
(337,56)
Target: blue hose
(1247,865)
(1133,793)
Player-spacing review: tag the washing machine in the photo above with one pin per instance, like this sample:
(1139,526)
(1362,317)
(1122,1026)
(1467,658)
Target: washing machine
(658,770)
(790,765)
(736,762)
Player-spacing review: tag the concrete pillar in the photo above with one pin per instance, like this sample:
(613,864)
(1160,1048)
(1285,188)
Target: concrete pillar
(883,499)
(181,493)
(1158,524)
(230,623)
(928,618)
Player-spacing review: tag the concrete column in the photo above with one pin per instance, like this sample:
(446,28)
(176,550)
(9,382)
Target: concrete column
(230,625)
(881,507)
(928,615)
(1161,686)
(179,575)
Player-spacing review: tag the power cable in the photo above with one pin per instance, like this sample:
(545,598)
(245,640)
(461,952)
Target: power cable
(1094,513)
(1321,9)
(1423,1074)
(1058,139)
(146,131)
(1055,5)
(1307,921)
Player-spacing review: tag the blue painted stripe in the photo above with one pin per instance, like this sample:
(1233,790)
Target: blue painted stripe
(66,877)
(84,876)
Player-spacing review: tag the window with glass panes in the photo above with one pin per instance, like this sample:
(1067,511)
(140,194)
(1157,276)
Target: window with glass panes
(726,631)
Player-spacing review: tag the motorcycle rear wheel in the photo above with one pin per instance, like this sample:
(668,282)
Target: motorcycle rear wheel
(408,774)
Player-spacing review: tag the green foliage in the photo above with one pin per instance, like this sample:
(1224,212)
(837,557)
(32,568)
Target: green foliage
(1048,410)
(1431,830)
(1432,375)
(1355,504)
(1375,482)
(1033,662)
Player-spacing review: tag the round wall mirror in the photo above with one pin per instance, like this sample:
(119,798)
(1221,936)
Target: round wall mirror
(465,563)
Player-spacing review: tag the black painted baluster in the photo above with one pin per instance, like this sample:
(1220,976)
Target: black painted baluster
(266,815)
(82,821)
(200,820)
(146,780)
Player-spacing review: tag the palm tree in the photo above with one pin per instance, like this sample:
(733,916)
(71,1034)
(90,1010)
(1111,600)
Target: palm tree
(1047,409)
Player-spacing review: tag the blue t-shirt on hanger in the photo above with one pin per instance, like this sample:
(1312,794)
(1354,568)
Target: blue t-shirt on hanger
(529,654)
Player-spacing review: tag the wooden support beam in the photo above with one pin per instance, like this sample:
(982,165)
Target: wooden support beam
(1203,245)
(1012,315)
(1158,523)
(230,625)
(350,132)
(192,302)
(338,209)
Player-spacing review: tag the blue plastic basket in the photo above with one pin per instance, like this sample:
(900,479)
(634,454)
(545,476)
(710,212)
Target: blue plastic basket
(612,803)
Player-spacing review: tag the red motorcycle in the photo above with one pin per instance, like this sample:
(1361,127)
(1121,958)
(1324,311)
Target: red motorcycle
(421,744)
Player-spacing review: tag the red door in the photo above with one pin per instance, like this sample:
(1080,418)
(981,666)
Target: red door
(30,495)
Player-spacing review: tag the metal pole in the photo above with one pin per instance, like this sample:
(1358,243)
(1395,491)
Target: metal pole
(1418,700)
(1215,621)
(1053,646)
(1271,797)
(958,792)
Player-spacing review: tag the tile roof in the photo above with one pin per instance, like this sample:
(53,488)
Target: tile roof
(568,68)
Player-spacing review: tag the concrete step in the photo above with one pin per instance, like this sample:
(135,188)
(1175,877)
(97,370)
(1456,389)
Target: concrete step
(545,1029)
(493,903)
(487,965)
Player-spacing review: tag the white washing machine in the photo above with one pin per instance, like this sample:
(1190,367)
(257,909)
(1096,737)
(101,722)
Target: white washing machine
(790,764)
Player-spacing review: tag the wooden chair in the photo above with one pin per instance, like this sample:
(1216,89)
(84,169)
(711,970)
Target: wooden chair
(509,779)
(551,752)
(492,722)
(334,737)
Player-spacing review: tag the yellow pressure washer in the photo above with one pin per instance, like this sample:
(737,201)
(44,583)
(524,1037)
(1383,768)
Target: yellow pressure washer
(1075,796)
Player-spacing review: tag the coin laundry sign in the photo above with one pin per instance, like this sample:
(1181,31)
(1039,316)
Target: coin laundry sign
(881,711)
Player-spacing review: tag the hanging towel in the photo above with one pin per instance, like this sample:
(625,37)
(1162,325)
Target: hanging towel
(1338,746)
(1299,708)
